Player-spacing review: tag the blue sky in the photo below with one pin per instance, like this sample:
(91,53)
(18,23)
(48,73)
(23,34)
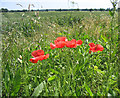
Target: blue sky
(54,4)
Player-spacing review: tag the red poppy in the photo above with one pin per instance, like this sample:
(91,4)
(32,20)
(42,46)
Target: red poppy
(71,44)
(91,44)
(79,42)
(60,39)
(60,44)
(38,55)
(53,46)
(95,48)
(46,56)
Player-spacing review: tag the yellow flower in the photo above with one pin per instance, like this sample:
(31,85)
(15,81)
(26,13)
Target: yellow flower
(95,67)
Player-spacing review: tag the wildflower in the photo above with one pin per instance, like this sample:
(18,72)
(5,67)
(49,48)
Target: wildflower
(79,42)
(53,46)
(95,67)
(95,48)
(60,42)
(38,55)
(60,39)
(71,44)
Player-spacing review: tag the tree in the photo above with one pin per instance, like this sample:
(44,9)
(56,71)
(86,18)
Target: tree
(90,9)
(101,9)
(4,10)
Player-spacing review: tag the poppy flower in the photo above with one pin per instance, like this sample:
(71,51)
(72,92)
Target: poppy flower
(71,44)
(38,55)
(79,42)
(53,46)
(60,39)
(95,48)
(91,44)
(60,44)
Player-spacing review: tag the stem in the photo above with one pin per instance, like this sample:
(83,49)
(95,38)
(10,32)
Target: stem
(110,42)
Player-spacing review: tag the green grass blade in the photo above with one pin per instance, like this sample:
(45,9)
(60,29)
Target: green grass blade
(52,78)
(88,89)
(104,38)
(16,83)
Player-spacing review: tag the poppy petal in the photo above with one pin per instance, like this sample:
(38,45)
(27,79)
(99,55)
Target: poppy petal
(42,57)
(91,44)
(37,53)
(60,39)
(53,46)
(100,47)
(46,56)
(79,42)
(60,44)
(34,60)
(73,40)
(93,49)
(71,44)
(89,51)
(96,48)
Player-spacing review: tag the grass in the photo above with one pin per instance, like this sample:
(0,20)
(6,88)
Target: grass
(67,72)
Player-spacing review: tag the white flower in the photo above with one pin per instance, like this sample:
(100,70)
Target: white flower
(23,15)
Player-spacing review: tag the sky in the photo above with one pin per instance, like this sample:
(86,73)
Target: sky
(54,4)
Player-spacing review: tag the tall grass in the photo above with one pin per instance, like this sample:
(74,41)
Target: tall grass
(67,72)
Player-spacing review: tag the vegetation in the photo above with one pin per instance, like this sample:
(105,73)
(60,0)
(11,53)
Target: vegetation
(26,10)
(67,71)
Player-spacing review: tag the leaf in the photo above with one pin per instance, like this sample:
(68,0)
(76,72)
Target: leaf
(60,34)
(88,89)
(104,38)
(99,71)
(108,46)
(54,71)
(52,78)
(111,13)
(16,83)
(39,89)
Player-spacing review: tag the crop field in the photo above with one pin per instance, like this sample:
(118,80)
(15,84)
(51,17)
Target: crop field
(60,53)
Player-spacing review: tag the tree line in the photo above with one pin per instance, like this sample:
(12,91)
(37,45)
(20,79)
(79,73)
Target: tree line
(25,10)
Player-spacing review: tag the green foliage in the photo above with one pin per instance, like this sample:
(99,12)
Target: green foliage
(67,71)
(38,89)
